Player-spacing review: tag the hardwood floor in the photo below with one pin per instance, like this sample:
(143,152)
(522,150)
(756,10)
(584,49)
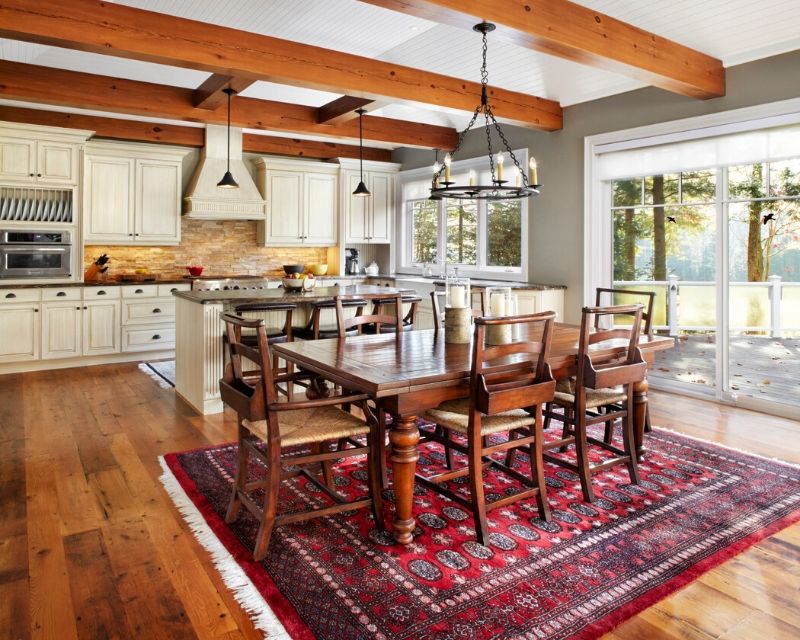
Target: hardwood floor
(91,546)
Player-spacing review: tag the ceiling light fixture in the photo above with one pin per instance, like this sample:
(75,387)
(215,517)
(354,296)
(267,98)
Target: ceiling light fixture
(361,189)
(436,168)
(499,189)
(227,181)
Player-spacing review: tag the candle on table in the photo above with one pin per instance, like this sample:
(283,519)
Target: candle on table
(498,305)
(458,296)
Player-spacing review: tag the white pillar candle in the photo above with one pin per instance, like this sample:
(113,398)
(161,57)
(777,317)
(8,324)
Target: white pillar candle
(499,166)
(533,175)
(447,161)
(458,297)
(498,305)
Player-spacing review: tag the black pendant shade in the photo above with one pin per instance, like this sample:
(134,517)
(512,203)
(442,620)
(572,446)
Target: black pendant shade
(227,181)
(361,189)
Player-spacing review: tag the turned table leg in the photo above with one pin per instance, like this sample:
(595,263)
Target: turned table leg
(639,416)
(404,437)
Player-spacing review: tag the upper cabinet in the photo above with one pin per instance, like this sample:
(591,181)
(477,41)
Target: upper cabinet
(43,156)
(301,202)
(369,220)
(132,194)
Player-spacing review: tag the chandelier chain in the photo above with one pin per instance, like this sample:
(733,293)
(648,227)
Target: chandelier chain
(510,152)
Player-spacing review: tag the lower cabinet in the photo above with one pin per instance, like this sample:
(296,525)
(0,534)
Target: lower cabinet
(61,329)
(19,338)
(100,327)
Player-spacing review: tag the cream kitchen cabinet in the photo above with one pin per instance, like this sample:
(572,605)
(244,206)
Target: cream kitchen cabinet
(132,194)
(62,314)
(369,220)
(101,327)
(301,202)
(44,156)
(20,335)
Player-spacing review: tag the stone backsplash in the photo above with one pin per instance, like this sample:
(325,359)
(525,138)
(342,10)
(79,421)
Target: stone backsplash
(229,247)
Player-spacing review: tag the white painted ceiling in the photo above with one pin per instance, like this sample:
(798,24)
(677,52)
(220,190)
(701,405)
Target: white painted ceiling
(735,31)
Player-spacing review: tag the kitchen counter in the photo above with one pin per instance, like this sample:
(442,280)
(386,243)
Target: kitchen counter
(476,283)
(282,295)
(94,283)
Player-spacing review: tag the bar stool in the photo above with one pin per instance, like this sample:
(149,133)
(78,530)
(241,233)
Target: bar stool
(409,320)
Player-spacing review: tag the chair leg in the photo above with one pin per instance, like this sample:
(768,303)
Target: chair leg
(270,505)
(327,467)
(537,467)
(449,454)
(380,416)
(582,451)
(476,488)
(512,435)
(568,414)
(647,426)
(628,440)
(548,410)
(608,435)
(377,446)
(243,459)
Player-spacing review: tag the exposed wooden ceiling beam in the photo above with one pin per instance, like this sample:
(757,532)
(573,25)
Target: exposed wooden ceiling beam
(342,109)
(117,30)
(209,95)
(137,131)
(45,85)
(574,32)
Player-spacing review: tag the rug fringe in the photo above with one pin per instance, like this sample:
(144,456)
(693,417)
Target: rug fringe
(792,465)
(244,591)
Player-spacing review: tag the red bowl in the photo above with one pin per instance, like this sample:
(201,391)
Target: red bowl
(195,271)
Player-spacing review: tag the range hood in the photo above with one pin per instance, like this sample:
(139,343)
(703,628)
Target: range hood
(205,200)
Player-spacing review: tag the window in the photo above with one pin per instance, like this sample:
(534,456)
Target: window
(482,238)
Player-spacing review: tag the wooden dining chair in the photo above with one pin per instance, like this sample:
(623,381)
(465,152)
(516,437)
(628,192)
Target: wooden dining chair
(609,364)
(628,296)
(269,312)
(509,384)
(410,307)
(319,326)
(381,322)
(289,437)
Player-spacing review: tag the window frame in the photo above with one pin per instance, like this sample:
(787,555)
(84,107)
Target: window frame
(405,263)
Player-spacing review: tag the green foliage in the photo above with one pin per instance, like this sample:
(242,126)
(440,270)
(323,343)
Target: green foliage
(504,232)
(426,222)
(462,232)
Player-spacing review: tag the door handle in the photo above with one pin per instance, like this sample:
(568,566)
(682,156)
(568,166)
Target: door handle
(11,295)
(156,337)
(61,294)
(139,291)
(101,293)
(156,310)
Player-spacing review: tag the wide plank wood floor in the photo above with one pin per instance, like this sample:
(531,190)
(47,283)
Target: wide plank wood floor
(91,546)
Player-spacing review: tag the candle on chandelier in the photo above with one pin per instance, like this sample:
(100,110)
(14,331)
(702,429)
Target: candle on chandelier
(533,175)
(471,178)
(500,166)
(447,161)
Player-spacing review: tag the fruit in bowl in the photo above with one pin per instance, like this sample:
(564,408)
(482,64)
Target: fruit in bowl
(195,270)
(317,269)
(293,284)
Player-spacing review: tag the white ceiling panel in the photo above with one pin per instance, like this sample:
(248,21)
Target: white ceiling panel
(285,93)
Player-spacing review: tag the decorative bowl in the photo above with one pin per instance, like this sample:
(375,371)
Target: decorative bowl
(317,269)
(294,284)
(289,269)
(195,270)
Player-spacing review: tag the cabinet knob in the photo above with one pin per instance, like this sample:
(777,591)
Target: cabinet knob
(85,308)
(173,290)
(78,308)
(101,293)
(156,337)
(130,234)
(30,174)
(156,310)
(35,310)
(61,294)
(38,175)
(11,295)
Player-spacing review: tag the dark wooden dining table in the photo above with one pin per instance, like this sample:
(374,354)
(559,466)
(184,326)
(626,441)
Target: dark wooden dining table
(414,371)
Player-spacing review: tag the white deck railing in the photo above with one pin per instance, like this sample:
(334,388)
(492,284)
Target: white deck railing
(771,307)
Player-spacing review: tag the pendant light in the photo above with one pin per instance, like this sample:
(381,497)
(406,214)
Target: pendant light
(435,181)
(361,189)
(227,181)
(498,189)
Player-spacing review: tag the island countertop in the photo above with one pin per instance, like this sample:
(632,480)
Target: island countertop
(282,295)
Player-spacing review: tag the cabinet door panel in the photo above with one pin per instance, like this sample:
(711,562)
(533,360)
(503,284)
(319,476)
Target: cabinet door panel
(158,192)
(19,338)
(18,159)
(382,187)
(57,162)
(357,210)
(101,328)
(319,198)
(61,330)
(284,214)
(108,214)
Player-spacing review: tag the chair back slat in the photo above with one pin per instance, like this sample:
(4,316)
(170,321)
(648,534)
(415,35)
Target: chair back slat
(644,297)
(514,375)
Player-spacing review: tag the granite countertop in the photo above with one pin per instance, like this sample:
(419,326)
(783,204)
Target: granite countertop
(93,283)
(281,295)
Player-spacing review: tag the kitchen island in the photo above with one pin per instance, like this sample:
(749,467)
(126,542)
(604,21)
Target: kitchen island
(198,339)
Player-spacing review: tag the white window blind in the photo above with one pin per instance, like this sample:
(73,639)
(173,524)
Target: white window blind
(717,151)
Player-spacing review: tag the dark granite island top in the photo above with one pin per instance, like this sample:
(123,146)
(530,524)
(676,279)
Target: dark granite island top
(281,295)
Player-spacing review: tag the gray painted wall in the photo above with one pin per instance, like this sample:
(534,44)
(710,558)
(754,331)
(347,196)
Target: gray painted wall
(556,232)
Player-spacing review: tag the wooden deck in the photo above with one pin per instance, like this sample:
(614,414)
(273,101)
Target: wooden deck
(761,367)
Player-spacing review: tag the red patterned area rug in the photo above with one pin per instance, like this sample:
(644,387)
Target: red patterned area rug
(578,576)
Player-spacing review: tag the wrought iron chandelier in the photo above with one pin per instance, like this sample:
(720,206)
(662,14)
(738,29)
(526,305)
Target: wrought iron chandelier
(499,189)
